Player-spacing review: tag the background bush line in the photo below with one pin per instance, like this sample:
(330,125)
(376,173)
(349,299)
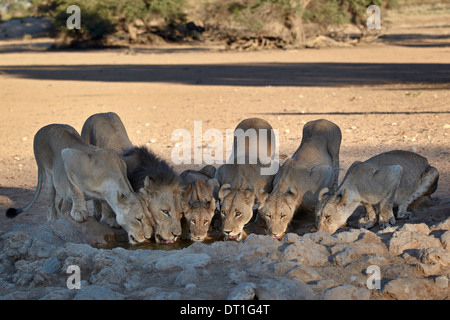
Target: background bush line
(136,21)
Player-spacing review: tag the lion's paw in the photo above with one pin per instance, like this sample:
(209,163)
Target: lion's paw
(79,216)
(366,223)
(404,215)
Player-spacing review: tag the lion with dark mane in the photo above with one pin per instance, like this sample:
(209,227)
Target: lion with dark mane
(144,170)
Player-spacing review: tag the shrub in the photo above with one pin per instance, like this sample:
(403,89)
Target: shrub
(100,18)
(337,12)
(96,20)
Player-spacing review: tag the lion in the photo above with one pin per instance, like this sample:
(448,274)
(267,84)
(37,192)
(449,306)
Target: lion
(387,180)
(198,202)
(241,179)
(100,130)
(77,172)
(93,132)
(236,209)
(106,130)
(206,173)
(144,170)
(164,191)
(313,166)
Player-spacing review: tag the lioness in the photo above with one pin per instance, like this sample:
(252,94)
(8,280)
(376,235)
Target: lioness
(144,170)
(296,185)
(93,132)
(77,172)
(242,183)
(106,130)
(395,178)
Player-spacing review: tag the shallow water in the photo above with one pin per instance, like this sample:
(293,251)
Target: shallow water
(151,245)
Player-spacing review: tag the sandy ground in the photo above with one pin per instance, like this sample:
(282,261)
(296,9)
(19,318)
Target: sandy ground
(386,95)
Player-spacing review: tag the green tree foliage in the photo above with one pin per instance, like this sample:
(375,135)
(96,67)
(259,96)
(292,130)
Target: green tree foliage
(338,12)
(101,18)
(256,16)
(281,18)
(96,20)
(15,9)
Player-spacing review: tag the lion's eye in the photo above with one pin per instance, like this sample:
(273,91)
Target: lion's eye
(223,213)
(205,222)
(328,218)
(283,216)
(193,222)
(268,216)
(139,220)
(238,214)
(165,212)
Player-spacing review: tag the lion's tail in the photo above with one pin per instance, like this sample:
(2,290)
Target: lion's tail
(14,212)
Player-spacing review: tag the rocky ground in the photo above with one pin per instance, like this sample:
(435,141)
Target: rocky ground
(410,262)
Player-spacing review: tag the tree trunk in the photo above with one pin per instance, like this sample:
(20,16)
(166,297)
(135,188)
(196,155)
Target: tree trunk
(296,31)
(294,23)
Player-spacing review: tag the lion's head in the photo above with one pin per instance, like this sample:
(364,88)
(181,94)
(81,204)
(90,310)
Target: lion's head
(236,208)
(164,206)
(135,218)
(331,210)
(199,218)
(278,210)
(198,208)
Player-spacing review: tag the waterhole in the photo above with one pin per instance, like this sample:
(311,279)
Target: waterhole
(151,245)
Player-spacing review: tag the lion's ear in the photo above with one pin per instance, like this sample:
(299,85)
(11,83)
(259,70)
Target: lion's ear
(292,191)
(224,191)
(121,198)
(214,185)
(203,188)
(291,195)
(187,191)
(249,195)
(212,206)
(202,183)
(261,198)
(149,185)
(143,193)
(342,198)
(322,193)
